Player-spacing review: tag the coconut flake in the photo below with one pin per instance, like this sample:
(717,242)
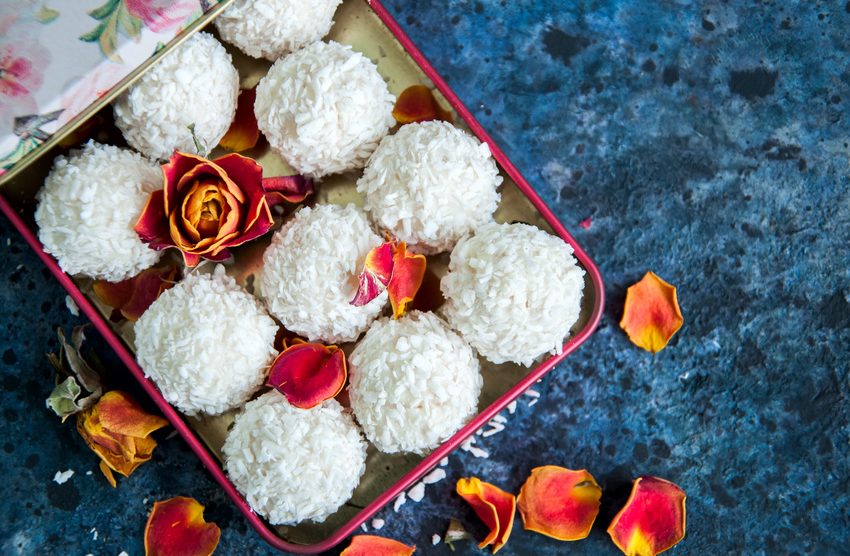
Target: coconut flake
(430,184)
(72,306)
(294,464)
(513,292)
(377,523)
(310,273)
(193,85)
(434,476)
(61,477)
(414,383)
(324,108)
(417,492)
(88,206)
(271,28)
(399,502)
(435,539)
(206,342)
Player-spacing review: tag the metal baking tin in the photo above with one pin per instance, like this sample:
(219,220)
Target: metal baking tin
(17,203)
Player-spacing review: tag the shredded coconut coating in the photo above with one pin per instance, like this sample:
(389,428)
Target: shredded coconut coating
(292,464)
(414,383)
(513,291)
(271,28)
(430,184)
(324,108)
(206,343)
(311,269)
(88,206)
(196,84)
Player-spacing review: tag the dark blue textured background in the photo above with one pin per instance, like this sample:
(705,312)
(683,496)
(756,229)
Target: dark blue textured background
(707,143)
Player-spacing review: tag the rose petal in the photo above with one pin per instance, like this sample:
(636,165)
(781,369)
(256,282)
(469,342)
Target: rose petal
(408,271)
(371,545)
(133,296)
(292,189)
(417,104)
(652,520)
(651,314)
(429,298)
(243,132)
(152,226)
(177,527)
(174,170)
(559,503)
(494,506)
(107,472)
(241,170)
(376,275)
(121,414)
(308,373)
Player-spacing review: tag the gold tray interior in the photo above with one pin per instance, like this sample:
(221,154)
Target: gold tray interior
(356,25)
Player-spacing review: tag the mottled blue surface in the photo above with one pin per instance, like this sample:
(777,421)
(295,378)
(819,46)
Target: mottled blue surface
(707,143)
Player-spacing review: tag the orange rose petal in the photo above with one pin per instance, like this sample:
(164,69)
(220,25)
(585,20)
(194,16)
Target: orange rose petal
(652,520)
(121,414)
(651,314)
(243,132)
(494,506)
(559,503)
(131,297)
(292,189)
(417,104)
(408,272)
(107,472)
(177,527)
(371,545)
(377,272)
(308,373)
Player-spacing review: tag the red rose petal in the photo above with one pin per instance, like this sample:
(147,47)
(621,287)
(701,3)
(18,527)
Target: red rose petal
(177,527)
(376,275)
(243,132)
(152,226)
(133,296)
(308,373)
(371,545)
(559,503)
(292,189)
(652,520)
(173,170)
(494,506)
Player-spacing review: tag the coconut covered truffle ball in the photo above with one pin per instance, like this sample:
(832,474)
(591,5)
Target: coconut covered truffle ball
(430,184)
(324,108)
(414,383)
(195,85)
(88,206)
(311,269)
(294,464)
(206,343)
(513,291)
(271,28)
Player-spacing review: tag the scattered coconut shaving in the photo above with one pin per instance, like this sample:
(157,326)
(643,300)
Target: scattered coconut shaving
(206,343)
(324,108)
(377,523)
(88,206)
(293,464)
(271,28)
(194,85)
(414,383)
(310,273)
(62,477)
(72,306)
(434,476)
(399,502)
(429,184)
(417,492)
(513,291)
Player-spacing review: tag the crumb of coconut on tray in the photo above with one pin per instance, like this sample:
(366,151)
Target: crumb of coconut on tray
(61,477)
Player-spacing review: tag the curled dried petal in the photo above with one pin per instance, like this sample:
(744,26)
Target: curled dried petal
(372,545)
(377,271)
(651,314)
(652,520)
(132,297)
(559,503)
(291,189)
(177,527)
(417,104)
(494,506)
(308,373)
(243,133)
(408,272)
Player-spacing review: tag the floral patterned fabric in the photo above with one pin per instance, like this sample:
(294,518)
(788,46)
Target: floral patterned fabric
(59,56)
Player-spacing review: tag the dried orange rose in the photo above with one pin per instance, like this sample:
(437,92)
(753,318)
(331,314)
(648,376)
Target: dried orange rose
(206,207)
(651,315)
(417,104)
(559,503)
(243,133)
(176,527)
(371,545)
(131,297)
(390,266)
(652,520)
(308,373)
(118,430)
(494,506)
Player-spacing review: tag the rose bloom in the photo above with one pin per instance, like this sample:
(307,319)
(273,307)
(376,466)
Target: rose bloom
(206,207)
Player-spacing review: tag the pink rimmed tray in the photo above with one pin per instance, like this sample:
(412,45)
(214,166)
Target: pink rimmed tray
(369,28)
